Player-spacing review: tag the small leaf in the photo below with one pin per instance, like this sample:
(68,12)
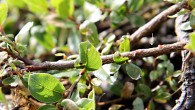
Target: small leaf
(89,56)
(108,72)
(48,107)
(45,87)
(2,96)
(151,105)
(69,104)
(162,97)
(74,39)
(37,6)
(191,44)
(19,38)
(3,56)
(138,104)
(12,80)
(144,89)
(125,45)
(116,4)
(3,11)
(96,82)
(89,30)
(133,71)
(82,103)
(118,58)
(91,96)
(92,12)
(192,21)
(64,8)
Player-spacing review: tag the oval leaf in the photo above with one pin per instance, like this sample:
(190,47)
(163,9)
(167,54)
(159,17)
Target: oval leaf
(45,87)
(89,56)
(133,71)
(138,104)
(69,104)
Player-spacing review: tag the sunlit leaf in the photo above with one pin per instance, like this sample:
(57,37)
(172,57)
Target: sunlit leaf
(89,30)
(116,4)
(3,11)
(45,87)
(84,102)
(89,56)
(118,58)
(192,21)
(64,8)
(3,56)
(108,72)
(12,80)
(37,6)
(69,104)
(91,12)
(125,45)
(2,96)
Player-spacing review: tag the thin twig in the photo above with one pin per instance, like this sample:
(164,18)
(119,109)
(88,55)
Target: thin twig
(140,53)
(25,60)
(152,24)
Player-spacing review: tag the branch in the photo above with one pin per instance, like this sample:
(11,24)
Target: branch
(140,53)
(156,21)
(26,61)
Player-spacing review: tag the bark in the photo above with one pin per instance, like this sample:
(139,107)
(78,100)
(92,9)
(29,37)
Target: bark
(187,98)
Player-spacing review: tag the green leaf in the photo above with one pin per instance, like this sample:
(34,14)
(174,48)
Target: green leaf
(24,79)
(2,97)
(125,45)
(84,102)
(45,87)
(96,82)
(64,8)
(116,4)
(191,3)
(89,30)
(135,5)
(108,72)
(144,89)
(48,107)
(91,12)
(133,71)
(162,97)
(89,56)
(37,6)
(16,3)
(118,58)
(12,80)
(3,56)
(3,11)
(192,21)
(138,104)
(154,74)
(69,104)
(43,38)
(92,105)
(20,37)
(151,105)
(191,44)
(74,39)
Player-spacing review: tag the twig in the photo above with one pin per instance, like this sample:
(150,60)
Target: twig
(140,53)
(117,100)
(152,24)
(26,61)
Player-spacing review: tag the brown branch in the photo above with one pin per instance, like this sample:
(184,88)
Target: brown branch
(26,61)
(140,53)
(156,21)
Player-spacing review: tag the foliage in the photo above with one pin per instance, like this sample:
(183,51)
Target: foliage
(41,29)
